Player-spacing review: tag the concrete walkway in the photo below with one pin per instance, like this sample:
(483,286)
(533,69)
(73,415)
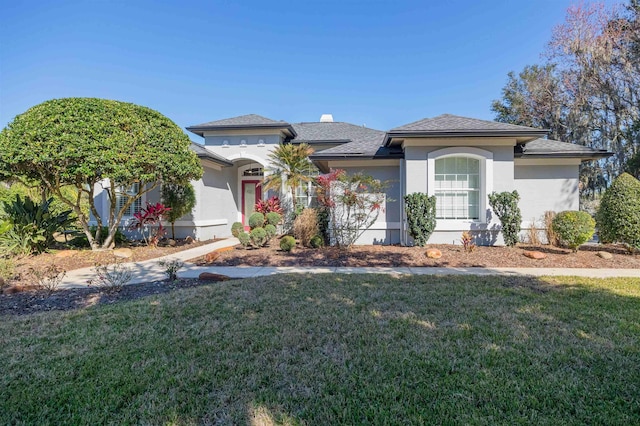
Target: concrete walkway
(149,270)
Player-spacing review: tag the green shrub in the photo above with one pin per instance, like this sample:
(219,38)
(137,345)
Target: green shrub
(256,220)
(271,230)
(287,243)
(421,216)
(573,228)
(618,217)
(244,239)
(258,237)
(273,218)
(316,241)
(505,206)
(33,223)
(236,228)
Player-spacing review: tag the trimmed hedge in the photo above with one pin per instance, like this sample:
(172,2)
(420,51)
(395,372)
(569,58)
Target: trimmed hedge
(573,228)
(244,238)
(236,228)
(258,237)
(273,218)
(287,243)
(421,216)
(618,217)
(256,220)
(505,206)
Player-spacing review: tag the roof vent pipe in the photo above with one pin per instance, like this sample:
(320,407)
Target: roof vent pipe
(326,118)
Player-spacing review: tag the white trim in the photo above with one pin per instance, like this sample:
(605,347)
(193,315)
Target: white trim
(458,142)
(486,182)
(367,163)
(245,156)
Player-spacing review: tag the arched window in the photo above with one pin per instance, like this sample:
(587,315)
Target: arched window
(457,188)
(460,178)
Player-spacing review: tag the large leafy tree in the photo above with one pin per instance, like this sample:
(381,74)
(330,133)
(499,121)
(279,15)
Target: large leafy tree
(290,167)
(587,90)
(94,145)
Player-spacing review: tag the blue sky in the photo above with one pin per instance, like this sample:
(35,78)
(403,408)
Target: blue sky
(379,63)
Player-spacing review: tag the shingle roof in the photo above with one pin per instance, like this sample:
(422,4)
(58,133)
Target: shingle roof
(553,148)
(242,120)
(357,141)
(448,123)
(335,132)
(202,152)
(248,121)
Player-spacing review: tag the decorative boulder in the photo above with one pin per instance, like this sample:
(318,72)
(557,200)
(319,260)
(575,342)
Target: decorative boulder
(65,253)
(124,252)
(433,253)
(209,276)
(605,255)
(537,255)
(171,242)
(211,257)
(189,240)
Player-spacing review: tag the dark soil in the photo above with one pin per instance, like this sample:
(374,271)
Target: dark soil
(453,256)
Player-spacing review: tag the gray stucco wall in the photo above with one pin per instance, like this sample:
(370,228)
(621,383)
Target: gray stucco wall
(386,230)
(546,187)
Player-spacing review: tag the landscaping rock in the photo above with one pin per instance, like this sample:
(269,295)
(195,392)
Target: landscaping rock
(433,253)
(537,255)
(209,276)
(605,255)
(124,253)
(171,243)
(19,289)
(65,253)
(189,240)
(211,257)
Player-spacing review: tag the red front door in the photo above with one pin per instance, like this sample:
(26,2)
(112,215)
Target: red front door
(251,194)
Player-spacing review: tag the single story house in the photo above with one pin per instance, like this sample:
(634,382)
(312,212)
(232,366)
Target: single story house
(460,160)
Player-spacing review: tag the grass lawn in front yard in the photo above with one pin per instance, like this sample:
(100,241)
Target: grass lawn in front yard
(334,349)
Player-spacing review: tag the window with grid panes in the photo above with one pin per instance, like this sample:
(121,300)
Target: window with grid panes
(457,188)
(122,197)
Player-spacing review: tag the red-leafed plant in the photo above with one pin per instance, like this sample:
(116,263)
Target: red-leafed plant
(272,204)
(145,221)
(350,204)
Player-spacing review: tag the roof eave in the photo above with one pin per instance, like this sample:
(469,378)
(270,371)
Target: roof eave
(466,133)
(219,161)
(585,156)
(199,130)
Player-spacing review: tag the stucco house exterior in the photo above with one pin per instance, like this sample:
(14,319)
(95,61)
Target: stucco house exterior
(460,160)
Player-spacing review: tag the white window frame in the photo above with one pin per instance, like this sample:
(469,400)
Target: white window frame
(120,190)
(486,183)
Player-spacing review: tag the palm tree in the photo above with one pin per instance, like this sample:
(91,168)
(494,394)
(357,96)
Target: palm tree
(290,167)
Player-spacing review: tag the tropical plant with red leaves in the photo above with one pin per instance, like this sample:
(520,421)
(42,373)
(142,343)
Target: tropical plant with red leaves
(351,203)
(145,221)
(272,204)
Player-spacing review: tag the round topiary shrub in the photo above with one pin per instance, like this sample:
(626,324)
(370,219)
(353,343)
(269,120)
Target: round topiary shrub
(618,217)
(573,228)
(316,241)
(258,237)
(236,228)
(273,218)
(287,243)
(271,230)
(244,238)
(256,220)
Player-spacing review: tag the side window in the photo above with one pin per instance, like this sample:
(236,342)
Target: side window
(122,196)
(457,188)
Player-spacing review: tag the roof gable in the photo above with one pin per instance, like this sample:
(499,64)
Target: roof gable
(242,120)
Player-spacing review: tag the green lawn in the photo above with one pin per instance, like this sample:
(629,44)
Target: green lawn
(329,349)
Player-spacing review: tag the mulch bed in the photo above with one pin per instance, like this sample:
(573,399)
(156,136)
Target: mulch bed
(30,302)
(452,256)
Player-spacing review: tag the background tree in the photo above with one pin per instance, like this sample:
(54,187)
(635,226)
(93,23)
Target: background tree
(181,199)
(587,90)
(93,145)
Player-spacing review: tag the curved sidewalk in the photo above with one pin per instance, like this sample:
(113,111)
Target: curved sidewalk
(149,270)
